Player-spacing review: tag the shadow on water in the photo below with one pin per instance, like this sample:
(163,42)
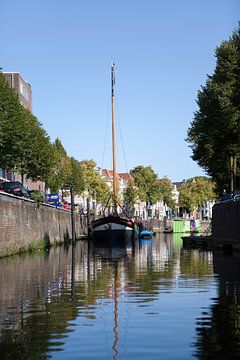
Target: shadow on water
(109,252)
(112,247)
(218,329)
(47,241)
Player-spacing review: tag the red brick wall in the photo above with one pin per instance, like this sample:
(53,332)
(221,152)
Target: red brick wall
(22,223)
(15,80)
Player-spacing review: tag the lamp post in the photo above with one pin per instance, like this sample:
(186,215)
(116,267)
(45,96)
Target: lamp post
(88,219)
(72,215)
(73,241)
(233,167)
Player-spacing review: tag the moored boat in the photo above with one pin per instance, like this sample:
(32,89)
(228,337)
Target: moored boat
(114,228)
(145,234)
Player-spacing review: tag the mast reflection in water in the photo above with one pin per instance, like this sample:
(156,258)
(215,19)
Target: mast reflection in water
(149,299)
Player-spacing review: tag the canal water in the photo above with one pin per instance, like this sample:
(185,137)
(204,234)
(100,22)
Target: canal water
(150,300)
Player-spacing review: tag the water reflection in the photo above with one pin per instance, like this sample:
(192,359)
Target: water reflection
(138,301)
(219,326)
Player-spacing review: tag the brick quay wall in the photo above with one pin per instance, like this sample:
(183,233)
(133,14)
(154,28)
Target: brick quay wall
(24,225)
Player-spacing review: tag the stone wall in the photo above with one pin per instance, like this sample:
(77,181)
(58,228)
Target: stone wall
(226,220)
(24,224)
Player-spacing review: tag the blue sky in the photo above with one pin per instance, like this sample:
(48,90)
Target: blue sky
(163,50)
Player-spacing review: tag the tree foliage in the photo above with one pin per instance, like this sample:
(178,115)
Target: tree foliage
(74,176)
(41,152)
(214,134)
(60,169)
(195,192)
(150,188)
(165,192)
(95,185)
(131,194)
(24,145)
(145,180)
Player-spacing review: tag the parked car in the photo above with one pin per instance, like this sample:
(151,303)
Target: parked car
(14,188)
(66,206)
(54,199)
(225,197)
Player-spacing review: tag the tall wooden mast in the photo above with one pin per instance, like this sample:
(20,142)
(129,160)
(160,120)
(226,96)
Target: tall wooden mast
(114,142)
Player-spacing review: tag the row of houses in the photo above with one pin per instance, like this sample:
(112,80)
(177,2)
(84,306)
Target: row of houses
(141,209)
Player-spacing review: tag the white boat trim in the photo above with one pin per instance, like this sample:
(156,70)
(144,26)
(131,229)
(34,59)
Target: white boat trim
(112,226)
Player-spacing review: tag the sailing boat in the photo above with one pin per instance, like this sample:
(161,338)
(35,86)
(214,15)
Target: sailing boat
(115,228)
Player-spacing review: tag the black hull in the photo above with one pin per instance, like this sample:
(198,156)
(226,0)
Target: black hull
(167,231)
(118,238)
(113,231)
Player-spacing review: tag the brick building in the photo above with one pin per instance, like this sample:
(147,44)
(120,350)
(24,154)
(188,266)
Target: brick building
(22,88)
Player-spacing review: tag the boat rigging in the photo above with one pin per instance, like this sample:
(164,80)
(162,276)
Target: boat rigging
(115,226)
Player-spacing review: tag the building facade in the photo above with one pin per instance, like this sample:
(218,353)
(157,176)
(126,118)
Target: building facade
(21,87)
(141,209)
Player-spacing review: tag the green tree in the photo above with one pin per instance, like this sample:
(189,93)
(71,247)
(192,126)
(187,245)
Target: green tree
(131,195)
(74,177)
(195,192)
(214,134)
(145,180)
(165,192)
(60,169)
(150,188)
(95,185)
(41,153)
(24,145)
(12,124)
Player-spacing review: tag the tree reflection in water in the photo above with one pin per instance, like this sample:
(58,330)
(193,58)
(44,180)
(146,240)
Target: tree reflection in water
(218,330)
(51,305)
